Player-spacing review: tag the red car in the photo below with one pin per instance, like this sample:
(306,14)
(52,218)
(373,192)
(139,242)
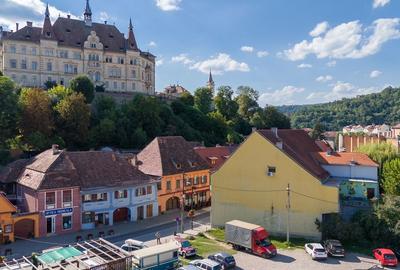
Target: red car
(385,256)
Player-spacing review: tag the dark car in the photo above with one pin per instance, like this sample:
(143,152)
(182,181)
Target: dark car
(334,248)
(226,260)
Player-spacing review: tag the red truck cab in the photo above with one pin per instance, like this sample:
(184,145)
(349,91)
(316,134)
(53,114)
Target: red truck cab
(261,244)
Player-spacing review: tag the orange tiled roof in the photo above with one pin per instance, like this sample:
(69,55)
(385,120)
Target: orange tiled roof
(344,158)
(218,154)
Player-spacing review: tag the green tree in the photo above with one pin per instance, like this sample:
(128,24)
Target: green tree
(36,113)
(318,131)
(247,101)
(73,120)
(49,84)
(269,117)
(224,102)
(82,84)
(8,110)
(379,152)
(391,177)
(187,98)
(59,92)
(203,99)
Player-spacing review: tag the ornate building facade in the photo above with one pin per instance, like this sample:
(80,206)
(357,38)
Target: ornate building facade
(58,52)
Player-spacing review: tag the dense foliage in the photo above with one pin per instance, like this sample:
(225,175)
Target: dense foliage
(33,119)
(377,108)
(391,177)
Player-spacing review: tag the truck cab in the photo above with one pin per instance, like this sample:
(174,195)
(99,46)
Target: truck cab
(261,243)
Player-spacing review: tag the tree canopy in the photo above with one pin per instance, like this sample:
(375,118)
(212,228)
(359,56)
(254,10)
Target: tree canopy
(8,110)
(391,177)
(82,84)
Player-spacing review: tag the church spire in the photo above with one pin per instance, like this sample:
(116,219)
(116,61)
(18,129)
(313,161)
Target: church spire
(88,14)
(131,37)
(210,83)
(47,29)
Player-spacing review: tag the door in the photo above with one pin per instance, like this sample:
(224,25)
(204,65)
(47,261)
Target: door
(140,213)
(50,225)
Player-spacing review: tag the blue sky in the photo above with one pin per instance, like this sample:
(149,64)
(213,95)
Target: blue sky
(292,52)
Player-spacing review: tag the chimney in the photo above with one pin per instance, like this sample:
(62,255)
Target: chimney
(279,144)
(55,149)
(16,27)
(328,153)
(69,16)
(29,24)
(105,22)
(275,132)
(253,129)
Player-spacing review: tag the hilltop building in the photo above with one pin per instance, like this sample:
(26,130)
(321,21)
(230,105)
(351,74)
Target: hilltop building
(57,52)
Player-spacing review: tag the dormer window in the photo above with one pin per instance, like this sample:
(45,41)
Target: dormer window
(192,163)
(111,35)
(176,164)
(48,34)
(68,30)
(93,45)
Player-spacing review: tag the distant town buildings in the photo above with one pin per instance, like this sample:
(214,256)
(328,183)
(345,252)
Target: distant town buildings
(57,52)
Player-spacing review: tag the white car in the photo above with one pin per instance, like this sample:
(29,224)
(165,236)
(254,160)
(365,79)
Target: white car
(316,250)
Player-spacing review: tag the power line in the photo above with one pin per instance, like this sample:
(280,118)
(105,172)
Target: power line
(249,190)
(310,197)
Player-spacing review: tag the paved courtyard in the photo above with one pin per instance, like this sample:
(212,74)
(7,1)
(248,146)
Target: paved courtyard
(298,259)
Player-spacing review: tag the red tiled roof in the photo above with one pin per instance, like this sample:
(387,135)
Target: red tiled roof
(323,145)
(170,155)
(344,158)
(219,154)
(86,169)
(299,146)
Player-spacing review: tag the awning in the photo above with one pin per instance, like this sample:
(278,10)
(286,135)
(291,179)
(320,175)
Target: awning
(58,255)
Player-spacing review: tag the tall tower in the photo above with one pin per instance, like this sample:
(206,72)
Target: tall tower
(210,83)
(47,29)
(88,14)
(131,37)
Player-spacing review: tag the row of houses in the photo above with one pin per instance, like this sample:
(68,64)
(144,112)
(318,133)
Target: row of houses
(61,191)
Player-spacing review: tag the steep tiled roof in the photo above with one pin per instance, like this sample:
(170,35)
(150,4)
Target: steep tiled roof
(299,146)
(27,33)
(11,172)
(219,154)
(170,155)
(323,145)
(89,169)
(344,158)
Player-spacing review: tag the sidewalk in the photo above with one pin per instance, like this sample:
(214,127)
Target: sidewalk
(26,247)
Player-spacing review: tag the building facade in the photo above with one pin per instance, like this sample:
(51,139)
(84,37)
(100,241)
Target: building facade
(252,184)
(185,176)
(57,52)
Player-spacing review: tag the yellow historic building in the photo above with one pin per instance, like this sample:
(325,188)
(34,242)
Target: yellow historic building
(252,184)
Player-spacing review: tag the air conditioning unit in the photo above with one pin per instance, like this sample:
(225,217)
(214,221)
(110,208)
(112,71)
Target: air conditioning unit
(270,173)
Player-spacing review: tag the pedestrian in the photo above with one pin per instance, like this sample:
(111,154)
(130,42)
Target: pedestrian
(158,236)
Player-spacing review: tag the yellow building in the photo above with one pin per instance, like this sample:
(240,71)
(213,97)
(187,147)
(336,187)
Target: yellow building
(251,185)
(16,225)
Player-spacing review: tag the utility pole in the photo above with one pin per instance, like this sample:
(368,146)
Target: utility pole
(183,200)
(288,214)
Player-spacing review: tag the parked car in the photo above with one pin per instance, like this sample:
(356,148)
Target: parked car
(334,248)
(188,267)
(206,264)
(185,248)
(132,245)
(316,250)
(226,260)
(385,256)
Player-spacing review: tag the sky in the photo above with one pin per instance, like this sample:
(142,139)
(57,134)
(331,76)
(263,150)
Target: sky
(292,52)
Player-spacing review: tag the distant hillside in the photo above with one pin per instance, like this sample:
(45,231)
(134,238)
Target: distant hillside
(378,108)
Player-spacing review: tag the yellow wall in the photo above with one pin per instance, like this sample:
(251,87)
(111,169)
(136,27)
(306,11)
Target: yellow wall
(242,190)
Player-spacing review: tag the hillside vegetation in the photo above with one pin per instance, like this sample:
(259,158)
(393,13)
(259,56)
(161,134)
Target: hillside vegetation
(378,108)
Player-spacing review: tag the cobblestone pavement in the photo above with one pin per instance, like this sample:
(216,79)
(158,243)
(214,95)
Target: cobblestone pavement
(298,259)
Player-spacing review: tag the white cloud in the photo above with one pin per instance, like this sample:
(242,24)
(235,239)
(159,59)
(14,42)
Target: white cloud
(375,74)
(159,62)
(182,58)
(168,5)
(20,11)
(380,3)
(342,90)
(152,44)
(319,29)
(304,65)
(104,16)
(261,54)
(325,78)
(347,40)
(331,63)
(248,49)
(280,96)
(220,64)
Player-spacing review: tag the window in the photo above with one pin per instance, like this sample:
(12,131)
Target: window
(67,198)
(70,69)
(23,64)
(121,194)
(204,179)
(108,59)
(149,210)
(140,191)
(178,184)
(159,186)
(49,66)
(97,76)
(135,62)
(64,54)
(8,228)
(120,60)
(77,55)
(33,52)
(115,85)
(114,72)
(93,45)
(271,171)
(67,222)
(133,86)
(107,84)
(196,180)
(149,190)
(50,200)
(123,86)
(102,196)
(34,65)
(87,217)
(13,49)
(168,185)
(188,182)
(133,72)
(23,49)
(13,63)
(23,78)
(87,198)
(131,62)
(48,52)
(34,79)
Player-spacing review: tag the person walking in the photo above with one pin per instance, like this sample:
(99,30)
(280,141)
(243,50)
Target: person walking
(158,236)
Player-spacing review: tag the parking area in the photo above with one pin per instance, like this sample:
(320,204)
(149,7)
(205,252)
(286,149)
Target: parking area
(298,259)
